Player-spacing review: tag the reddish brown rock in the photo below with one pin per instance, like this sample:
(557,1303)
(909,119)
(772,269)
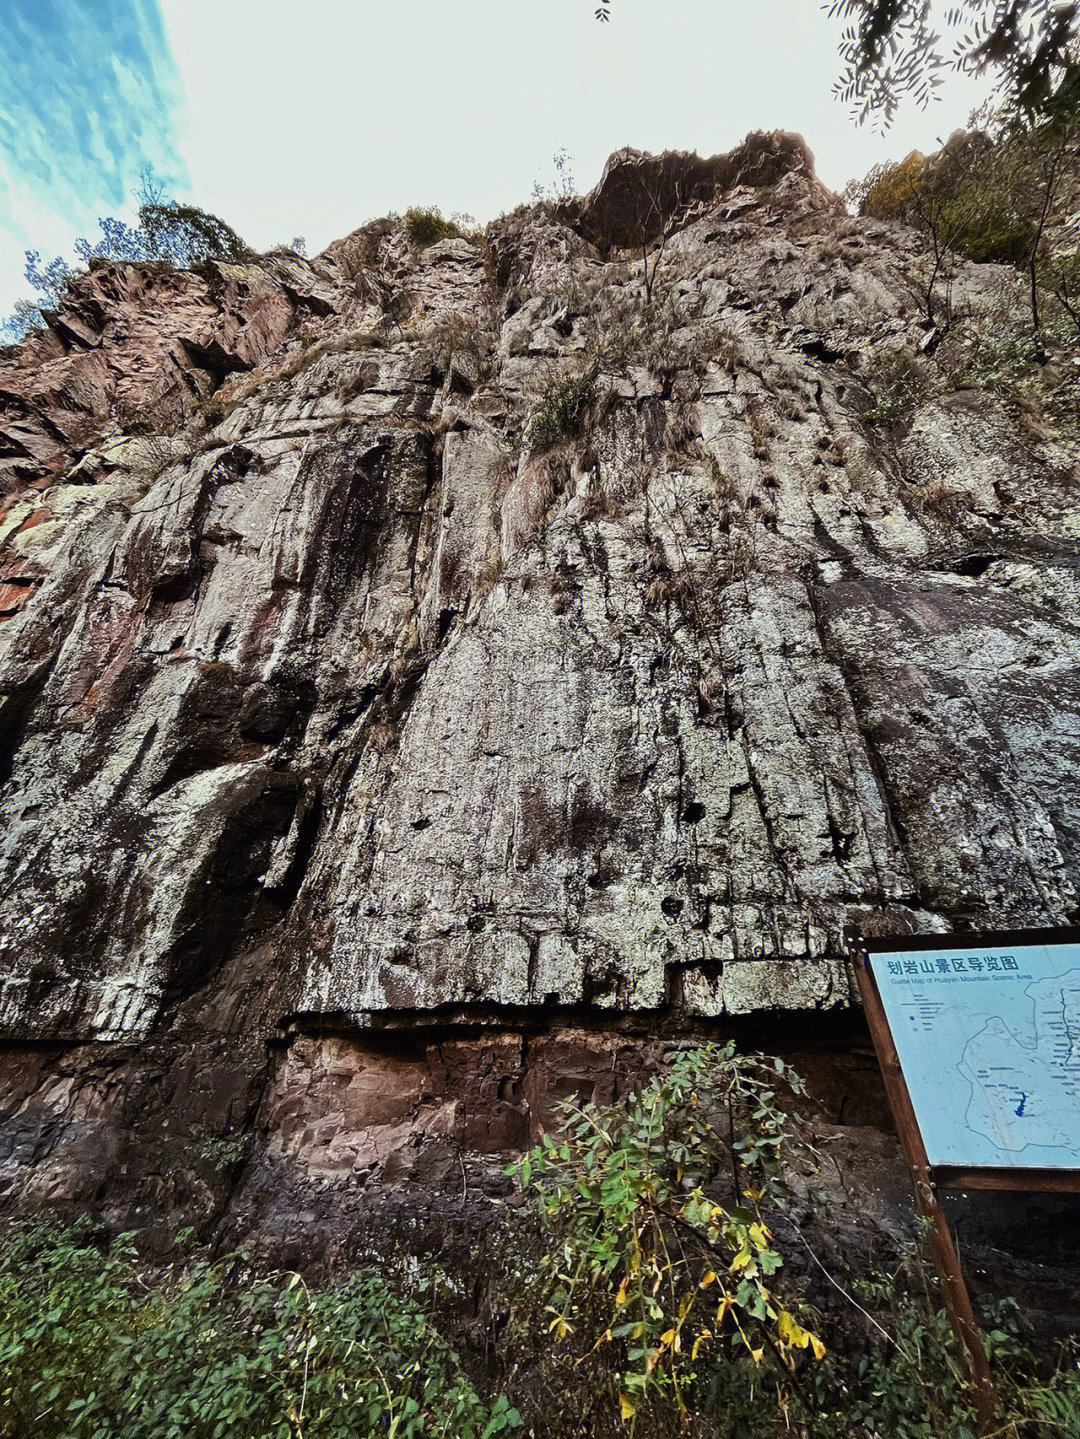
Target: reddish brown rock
(138,347)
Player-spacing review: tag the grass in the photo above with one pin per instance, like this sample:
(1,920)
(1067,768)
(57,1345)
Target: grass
(561,410)
(426,226)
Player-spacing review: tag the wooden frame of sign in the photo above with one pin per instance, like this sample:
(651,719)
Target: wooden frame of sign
(928,1178)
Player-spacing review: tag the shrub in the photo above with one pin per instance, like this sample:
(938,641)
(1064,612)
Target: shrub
(889,191)
(168,232)
(426,226)
(646,1256)
(661,1278)
(561,411)
(90,1350)
(976,195)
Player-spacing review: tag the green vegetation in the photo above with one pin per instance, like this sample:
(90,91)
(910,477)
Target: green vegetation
(902,381)
(427,226)
(561,410)
(990,196)
(660,1288)
(647,1258)
(182,236)
(969,193)
(664,1287)
(91,1347)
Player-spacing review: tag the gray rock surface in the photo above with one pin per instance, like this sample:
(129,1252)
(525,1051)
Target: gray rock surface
(347,708)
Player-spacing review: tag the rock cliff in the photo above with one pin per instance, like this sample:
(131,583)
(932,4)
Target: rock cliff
(431,676)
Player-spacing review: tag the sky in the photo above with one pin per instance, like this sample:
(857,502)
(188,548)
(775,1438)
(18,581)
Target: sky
(309,117)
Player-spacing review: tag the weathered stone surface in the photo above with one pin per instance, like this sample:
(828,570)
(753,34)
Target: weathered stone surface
(138,346)
(372,777)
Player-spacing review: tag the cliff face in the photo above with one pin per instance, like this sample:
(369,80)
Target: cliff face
(431,676)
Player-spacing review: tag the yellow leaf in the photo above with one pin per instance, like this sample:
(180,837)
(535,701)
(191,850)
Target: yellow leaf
(621,1297)
(722,1308)
(817,1346)
(702,1339)
(757,1355)
(667,1337)
(626,1409)
(707,1279)
(560,1326)
(790,1331)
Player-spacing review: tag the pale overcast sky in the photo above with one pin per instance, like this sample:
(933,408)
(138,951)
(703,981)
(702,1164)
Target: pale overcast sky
(309,117)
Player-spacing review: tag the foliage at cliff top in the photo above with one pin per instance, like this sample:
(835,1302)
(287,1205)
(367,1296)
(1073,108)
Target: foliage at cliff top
(167,232)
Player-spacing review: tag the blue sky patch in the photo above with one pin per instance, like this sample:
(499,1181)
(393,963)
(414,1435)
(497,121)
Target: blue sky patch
(88,99)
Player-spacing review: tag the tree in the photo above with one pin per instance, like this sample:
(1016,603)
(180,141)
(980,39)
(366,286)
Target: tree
(989,196)
(180,235)
(889,49)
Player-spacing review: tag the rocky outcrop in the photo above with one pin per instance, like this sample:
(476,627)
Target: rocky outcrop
(640,197)
(375,775)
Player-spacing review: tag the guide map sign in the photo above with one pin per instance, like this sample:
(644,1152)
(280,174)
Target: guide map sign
(978,1038)
(988,1038)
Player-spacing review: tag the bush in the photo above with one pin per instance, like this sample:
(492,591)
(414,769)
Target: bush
(90,1350)
(648,1258)
(978,195)
(900,382)
(889,191)
(561,411)
(662,1280)
(426,226)
(179,235)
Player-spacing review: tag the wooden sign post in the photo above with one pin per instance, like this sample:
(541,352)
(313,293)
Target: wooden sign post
(983,1027)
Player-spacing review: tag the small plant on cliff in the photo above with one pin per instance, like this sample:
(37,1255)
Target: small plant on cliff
(661,1248)
(94,1347)
(561,410)
(901,382)
(426,226)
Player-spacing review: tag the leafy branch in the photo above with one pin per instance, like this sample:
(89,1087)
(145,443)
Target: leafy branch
(658,1208)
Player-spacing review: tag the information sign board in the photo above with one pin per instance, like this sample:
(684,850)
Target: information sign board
(987,1032)
(978,1038)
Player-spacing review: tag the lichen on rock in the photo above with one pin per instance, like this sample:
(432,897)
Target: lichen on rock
(341,720)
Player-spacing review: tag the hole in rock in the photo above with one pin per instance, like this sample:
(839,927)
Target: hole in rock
(693,813)
(972,566)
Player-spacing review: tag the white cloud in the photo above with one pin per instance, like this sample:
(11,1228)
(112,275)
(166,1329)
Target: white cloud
(88,96)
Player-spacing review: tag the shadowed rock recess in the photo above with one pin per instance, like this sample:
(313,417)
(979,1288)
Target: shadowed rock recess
(384,759)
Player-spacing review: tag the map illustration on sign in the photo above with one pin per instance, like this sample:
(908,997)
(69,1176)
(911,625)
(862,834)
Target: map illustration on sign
(989,1042)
